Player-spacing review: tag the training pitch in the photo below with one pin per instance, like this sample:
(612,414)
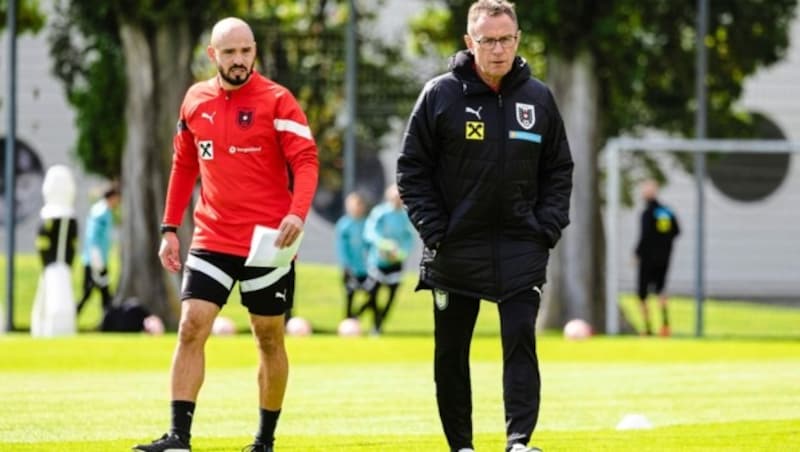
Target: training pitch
(106,392)
(737,389)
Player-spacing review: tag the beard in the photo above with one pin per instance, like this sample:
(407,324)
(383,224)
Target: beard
(236,80)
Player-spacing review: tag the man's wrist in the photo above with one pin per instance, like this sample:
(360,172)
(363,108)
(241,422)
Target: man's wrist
(168,228)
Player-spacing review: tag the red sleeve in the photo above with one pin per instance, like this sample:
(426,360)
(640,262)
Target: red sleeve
(300,151)
(183,175)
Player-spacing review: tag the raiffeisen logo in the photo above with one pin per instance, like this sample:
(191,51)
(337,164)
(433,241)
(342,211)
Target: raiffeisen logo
(235,149)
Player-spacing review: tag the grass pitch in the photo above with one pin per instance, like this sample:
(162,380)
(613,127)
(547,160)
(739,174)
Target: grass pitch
(106,392)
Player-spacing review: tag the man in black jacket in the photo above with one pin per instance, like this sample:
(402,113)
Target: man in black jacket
(659,227)
(486,174)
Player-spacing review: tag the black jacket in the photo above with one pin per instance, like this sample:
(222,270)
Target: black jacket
(486,177)
(659,227)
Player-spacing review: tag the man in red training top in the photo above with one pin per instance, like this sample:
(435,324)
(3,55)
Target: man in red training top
(241,134)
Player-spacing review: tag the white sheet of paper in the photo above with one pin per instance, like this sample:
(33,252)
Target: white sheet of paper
(264,253)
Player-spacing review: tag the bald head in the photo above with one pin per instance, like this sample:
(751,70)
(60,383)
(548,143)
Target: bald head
(233,50)
(231,29)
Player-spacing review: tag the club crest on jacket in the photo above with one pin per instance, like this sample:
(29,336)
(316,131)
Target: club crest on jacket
(245,118)
(526,116)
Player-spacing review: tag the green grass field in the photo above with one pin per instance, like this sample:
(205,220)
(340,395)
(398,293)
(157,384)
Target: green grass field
(736,390)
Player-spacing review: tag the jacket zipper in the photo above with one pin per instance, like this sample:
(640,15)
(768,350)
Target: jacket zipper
(224,119)
(499,202)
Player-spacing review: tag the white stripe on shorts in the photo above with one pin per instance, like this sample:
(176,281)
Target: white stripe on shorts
(210,270)
(252,285)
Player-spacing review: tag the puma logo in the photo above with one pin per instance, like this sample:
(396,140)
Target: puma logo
(210,117)
(475,112)
(281,295)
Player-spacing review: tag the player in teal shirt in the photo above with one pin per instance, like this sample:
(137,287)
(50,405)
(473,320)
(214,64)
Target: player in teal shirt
(352,248)
(390,235)
(96,246)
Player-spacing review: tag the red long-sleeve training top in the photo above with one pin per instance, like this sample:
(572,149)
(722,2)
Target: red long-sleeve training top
(242,144)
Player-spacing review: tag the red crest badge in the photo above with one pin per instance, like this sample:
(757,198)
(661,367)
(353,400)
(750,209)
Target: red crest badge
(245,117)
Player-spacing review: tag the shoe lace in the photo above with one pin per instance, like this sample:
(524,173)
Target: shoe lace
(164,438)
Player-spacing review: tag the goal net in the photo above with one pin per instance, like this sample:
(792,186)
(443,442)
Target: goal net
(749,210)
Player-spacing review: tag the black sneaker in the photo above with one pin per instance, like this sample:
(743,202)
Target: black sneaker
(257,447)
(170,442)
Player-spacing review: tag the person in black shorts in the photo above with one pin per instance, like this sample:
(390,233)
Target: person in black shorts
(659,227)
(241,135)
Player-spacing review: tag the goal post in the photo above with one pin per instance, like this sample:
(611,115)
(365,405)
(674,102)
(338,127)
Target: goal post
(612,152)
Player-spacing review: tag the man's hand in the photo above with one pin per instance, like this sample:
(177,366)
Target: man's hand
(169,252)
(290,228)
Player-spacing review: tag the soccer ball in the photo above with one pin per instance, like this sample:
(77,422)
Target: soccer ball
(577,329)
(223,326)
(153,325)
(349,328)
(298,326)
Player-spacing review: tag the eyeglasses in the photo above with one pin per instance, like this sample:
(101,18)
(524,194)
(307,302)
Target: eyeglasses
(506,42)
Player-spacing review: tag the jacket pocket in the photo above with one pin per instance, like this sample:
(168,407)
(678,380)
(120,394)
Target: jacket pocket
(525,225)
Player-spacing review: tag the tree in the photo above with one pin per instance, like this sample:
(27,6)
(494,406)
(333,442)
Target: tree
(125,67)
(88,59)
(581,46)
(29,17)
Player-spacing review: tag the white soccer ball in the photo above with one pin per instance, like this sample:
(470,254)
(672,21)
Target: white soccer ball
(153,325)
(349,328)
(223,326)
(298,326)
(577,329)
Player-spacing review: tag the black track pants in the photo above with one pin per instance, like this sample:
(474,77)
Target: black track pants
(454,319)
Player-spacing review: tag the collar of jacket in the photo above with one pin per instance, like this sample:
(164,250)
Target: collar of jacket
(462,64)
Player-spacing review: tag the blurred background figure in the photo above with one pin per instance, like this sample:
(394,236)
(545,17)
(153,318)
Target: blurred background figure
(390,235)
(131,317)
(97,236)
(352,249)
(53,312)
(659,227)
